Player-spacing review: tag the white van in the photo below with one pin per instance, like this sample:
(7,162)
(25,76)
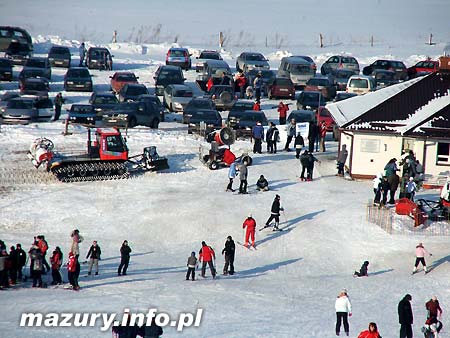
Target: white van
(361,84)
(298,69)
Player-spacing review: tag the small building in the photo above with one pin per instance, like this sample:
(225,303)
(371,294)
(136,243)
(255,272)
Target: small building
(412,115)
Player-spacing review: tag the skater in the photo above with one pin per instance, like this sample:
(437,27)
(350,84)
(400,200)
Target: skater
(56,261)
(232,173)
(290,132)
(37,265)
(420,257)
(257,137)
(59,101)
(76,240)
(21,260)
(125,251)
(262,184)
(257,85)
(372,332)
(72,271)
(322,133)
(243,172)
(152,331)
(310,168)
(282,111)
(304,161)
(43,246)
(363,271)
(411,188)
(299,143)
(191,264)
(275,213)
(343,154)
(228,251)
(405,317)
(206,257)
(82,51)
(94,254)
(394,181)
(250,224)
(433,308)
(272,137)
(343,309)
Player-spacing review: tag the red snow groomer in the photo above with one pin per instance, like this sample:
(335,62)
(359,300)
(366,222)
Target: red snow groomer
(219,155)
(106,158)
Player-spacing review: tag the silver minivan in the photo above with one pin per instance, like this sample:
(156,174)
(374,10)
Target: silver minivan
(298,69)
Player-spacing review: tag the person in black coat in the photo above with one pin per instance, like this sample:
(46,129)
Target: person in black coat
(405,317)
(152,331)
(228,250)
(125,251)
(94,254)
(312,135)
(363,271)
(21,260)
(127,331)
(275,213)
(14,265)
(310,168)
(299,143)
(384,188)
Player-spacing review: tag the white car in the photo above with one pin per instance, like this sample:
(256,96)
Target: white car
(177,96)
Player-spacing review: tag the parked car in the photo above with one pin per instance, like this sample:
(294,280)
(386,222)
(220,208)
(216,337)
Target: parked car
(281,87)
(341,77)
(243,121)
(196,104)
(83,114)
(210,117)
(301,115)
(223,96)
(166,75)
(99,58)
(361,84)
(204,56)
(214,69)
(41,65)
(5,97)
(247,61)
(18,53)
(131,114)
(120,79)
(242,105)
(340,62)
(59,56)
(179,57)
(131,91)
(297,68)
(27,74)
(153,107)
(384,78)
(422,68)
(176,97)
(323,115)
(102,102)
(324,85)
(341,96)
(11,34)
(310,99)
(6,69)
(35,86)
(397,66)
(28,109)
(267,77)
(78,79)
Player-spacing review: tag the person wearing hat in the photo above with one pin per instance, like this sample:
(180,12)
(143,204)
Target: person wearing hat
(282,112)
(262,184)
(405,317)
(250,224)
(206,257)
(411,188)
(343,309)
(420,257)
(59,101)
(191,264)
(363,271)
(228,251)
(275,213)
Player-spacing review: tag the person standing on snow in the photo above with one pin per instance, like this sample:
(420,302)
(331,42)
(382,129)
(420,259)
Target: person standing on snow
(372,332)
(405,317)
(310,168)
(299,143)
(82,51)
(36,265)
(257,136)
(94,255)
(241,81)
(377,188)
(243,173)
(59,101)
(275,213)
(411,188)
(394,181)
(343,154)
(420,257)
(229,251)
(125,251)
(304,161)
(272,137)
(72,271)
(76,240)
(322,133)
(433,308)
(191,264)
(22,259)
(384,190)
(43,246)
(290,132)
(257,106)
(257,85)
(282,111)
(232,173)
(206,257)
(343,309)
(56,261)
(250,224)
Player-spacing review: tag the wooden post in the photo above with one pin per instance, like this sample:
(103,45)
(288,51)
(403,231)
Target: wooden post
(321,40)
(266,41)
(114,37)
(431,39)
(220,39)
(371,41)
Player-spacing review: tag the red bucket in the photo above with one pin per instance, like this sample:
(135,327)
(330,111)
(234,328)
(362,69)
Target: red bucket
(404,206)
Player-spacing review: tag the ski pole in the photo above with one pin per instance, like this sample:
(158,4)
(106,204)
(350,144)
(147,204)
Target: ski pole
(285,218)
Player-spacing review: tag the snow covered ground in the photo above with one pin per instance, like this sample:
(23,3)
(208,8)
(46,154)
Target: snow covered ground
(287,287)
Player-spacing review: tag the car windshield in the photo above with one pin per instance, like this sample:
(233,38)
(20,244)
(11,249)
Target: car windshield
(220,89)
(359,83)
(397,65)
(349,60)
(115,143)
(209,56)
(203,114)
(105,99)
(40,86)
(26,73)
(301,117)
(283,82)
(183,93)
(83,73)
(218,70)
(310,96)
(255,57)
(172,76)
(35,63)
(18,47)
(243,106)
(134,90)
(200,104)
(98,54)
(385,76)
(59,51)
(318,82)
(126,77)
(343,74)
(20,104)
(177,53)
(301,69)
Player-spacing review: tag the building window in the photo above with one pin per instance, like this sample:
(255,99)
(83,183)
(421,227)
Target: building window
(443,153)
(370,146)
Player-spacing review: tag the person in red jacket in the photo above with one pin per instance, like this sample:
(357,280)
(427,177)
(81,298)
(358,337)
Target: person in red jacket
(206,256)
(43,246)
(250,224)
(56,261)
(241,81)
(372,332)
(209,84)
(257,106)
(433,308)
(322,133)
(72,271)
(282,110)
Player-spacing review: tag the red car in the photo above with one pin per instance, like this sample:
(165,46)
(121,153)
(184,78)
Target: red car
(323,114)
(281,87)
(422,68)
(120,79)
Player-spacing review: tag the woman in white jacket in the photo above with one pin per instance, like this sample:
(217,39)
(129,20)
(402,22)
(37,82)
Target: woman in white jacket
(343,310)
